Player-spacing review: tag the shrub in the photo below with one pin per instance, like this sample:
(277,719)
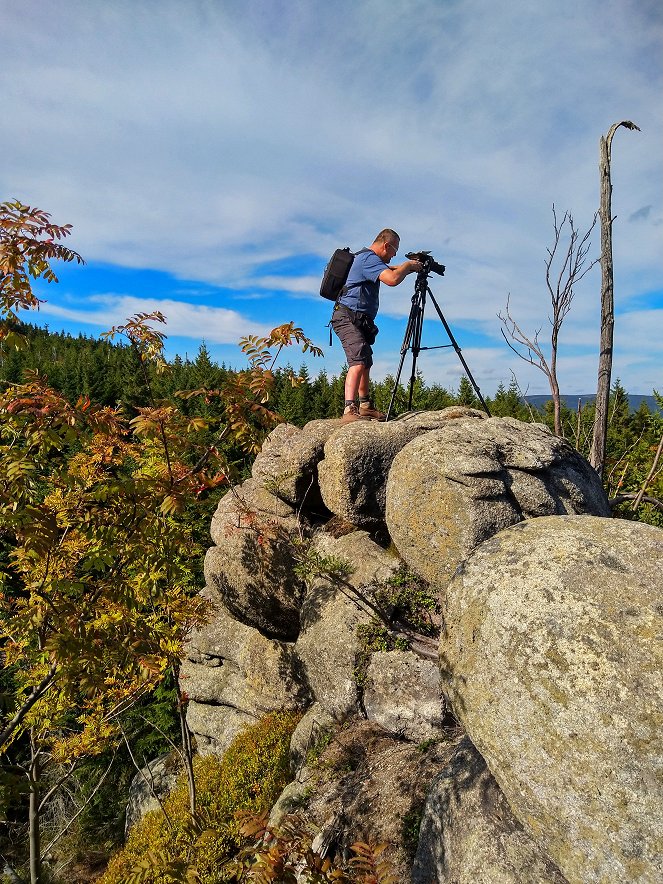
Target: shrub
(165,847)
(404,600)
(284,854)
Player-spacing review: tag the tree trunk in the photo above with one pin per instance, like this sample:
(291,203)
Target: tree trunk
(33,815)
(554,386)
(187,749)
(597,453)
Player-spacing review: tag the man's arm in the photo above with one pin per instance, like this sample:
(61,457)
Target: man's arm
(394,275)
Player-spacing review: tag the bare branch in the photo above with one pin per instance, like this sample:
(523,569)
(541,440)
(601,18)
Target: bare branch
(149,785)
(622,498)
(641,493)
(63,779)
(572,267)
(523,396)
(80,809)
(623,459)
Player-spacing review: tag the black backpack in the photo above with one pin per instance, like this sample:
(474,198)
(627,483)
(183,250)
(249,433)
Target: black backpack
(336,273)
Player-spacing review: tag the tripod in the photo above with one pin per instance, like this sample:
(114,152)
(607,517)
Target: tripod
(412,338)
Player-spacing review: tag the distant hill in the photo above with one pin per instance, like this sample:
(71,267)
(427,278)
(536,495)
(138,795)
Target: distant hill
(634,400)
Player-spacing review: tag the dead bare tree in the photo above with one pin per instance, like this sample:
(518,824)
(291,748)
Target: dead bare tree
(597,453)
(561,280)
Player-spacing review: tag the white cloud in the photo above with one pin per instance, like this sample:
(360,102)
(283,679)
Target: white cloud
(209,139)
(308,285)
(216,325)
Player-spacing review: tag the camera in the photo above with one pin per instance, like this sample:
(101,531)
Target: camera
(428,263)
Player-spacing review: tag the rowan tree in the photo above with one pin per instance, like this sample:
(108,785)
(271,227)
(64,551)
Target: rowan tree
(97,592)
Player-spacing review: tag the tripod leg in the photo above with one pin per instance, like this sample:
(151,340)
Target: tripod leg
(404,349)
(416,348)
(407,340)
(460,355)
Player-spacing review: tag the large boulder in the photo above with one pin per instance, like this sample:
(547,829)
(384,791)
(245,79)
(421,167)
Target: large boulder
(233,675)
(552,654)
(252,566)
(288,463)
(402,695)
(331,612)
(469,834)
(456,486)
(248,506)
(358,456)
(267,464)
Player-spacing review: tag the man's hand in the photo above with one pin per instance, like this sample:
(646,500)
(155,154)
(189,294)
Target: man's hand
(394,275)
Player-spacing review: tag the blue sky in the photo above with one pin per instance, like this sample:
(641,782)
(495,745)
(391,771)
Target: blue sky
(211,154)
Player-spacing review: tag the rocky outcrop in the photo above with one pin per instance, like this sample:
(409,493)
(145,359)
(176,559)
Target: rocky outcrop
(251,566)
(233,675)
(358,457)
(402,694)
(469,834)
(553,654)
(288,462)
(459,485)
(548,654)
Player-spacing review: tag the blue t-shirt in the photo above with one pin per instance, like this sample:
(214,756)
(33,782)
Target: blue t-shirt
(362,289)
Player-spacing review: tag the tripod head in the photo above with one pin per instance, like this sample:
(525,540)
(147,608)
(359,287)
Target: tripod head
(428,263)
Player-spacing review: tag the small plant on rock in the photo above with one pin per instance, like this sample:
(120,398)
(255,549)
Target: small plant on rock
(407,618)
(284,853)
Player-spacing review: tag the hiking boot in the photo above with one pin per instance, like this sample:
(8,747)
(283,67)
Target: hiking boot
(351,413)
(367,411)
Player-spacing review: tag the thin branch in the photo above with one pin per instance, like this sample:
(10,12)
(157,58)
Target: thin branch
(640,496)
(163,733)
(623,458)
(523,396)
(63,779)
(80,809)
(149,785)
(622,498)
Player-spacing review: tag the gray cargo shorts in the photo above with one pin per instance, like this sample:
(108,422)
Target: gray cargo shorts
(357,350)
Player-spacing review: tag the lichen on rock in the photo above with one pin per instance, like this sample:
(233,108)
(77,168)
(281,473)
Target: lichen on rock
(456,486)
(552,653)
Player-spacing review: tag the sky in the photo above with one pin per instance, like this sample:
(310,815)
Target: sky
(212,154)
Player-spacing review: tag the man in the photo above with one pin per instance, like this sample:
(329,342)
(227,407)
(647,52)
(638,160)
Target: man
(353,316)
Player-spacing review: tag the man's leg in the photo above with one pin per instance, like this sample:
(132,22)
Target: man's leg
(356,382)
(359,354)
(366,408)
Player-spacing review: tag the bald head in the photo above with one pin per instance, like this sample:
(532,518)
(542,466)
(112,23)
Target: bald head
(386,244)
(387,235)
